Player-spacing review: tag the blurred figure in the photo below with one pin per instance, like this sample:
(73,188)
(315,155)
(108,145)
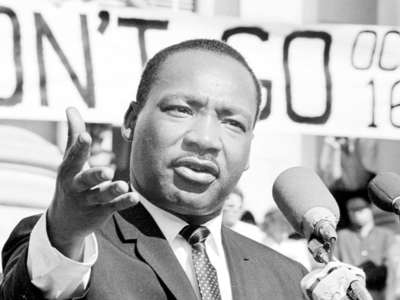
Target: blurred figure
(276,228)
(280,236)
(102,158)
(101,153)
(365,245)
(393,265)
(343,161)
(231,214)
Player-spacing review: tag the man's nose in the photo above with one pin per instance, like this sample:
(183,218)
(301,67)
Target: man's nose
(204,135)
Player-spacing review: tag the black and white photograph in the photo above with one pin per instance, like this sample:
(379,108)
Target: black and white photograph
(200,149)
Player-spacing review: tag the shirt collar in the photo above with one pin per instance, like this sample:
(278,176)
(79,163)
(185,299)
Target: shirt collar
(170,225)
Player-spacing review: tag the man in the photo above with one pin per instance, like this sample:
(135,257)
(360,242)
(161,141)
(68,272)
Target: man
(232,212)
(280,236)
(365,245)
(190,130)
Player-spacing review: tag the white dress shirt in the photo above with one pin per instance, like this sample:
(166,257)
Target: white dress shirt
(60,277)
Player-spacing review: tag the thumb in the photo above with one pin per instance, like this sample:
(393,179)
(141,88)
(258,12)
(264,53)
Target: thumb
(76,126)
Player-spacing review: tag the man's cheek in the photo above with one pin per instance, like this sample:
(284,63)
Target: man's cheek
(235,167)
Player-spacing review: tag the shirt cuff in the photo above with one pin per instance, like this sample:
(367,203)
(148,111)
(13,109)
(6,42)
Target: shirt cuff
(58,276)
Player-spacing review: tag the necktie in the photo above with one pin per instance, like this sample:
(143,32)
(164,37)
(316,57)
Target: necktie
(206,274)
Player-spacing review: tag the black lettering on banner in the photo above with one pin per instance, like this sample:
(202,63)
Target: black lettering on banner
(373,105)
(267,84)
(16,96)
(393,105)
(257,31)
(104,21)
(43,32)
(354,47)
(387,68)
(142,25)
(266,110)
(327,39)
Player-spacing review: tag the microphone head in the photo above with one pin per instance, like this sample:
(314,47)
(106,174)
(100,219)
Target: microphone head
(384,189)
(298,190)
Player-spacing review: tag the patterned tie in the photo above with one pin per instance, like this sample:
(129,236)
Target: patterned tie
(205,272)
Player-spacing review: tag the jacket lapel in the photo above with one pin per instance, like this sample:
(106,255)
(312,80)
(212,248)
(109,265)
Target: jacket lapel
(240,267)
(136,224)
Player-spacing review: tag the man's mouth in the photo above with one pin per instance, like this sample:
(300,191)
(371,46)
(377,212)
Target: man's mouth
(197,170)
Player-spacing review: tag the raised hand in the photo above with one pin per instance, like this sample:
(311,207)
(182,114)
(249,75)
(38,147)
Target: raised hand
(84,197)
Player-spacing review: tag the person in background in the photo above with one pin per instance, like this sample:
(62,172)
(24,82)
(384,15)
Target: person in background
(364,244)
(101,154)
(280,236)
(393,276)
(231,217)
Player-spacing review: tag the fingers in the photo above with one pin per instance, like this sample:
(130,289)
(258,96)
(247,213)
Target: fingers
(76,125)
(87,179)
(76,156)
(106,192)
(124,201)
(112,196)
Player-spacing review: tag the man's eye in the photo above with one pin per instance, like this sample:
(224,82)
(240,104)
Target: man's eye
(178,110)
(236,124)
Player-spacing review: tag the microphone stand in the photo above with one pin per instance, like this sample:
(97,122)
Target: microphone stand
(321,245)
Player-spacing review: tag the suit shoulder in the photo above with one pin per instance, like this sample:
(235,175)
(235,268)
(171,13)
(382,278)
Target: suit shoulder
(16,283)
(25,226)
(19,235)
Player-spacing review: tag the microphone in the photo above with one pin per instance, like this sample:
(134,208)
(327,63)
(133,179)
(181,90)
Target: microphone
(311,209)
(384,191)
(307,204)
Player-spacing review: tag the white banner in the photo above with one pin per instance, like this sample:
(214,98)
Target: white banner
(322,79)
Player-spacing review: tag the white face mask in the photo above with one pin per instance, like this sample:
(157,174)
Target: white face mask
(361,217)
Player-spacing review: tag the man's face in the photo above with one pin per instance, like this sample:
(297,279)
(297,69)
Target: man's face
(192,138)
(232,209)
(360,212)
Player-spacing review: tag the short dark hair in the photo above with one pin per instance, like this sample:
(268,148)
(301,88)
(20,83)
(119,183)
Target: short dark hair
(152,67)
(360,193)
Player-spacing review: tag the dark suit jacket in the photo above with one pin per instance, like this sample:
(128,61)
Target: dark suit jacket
(136,262)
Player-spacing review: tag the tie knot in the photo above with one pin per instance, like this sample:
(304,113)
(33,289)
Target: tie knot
(195,234)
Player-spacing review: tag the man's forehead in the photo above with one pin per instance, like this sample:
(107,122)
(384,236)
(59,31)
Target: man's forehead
(184,65)
(189,61)
(184,54)
(200,55)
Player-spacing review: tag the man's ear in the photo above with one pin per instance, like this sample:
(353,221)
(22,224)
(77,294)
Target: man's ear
(130,118)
